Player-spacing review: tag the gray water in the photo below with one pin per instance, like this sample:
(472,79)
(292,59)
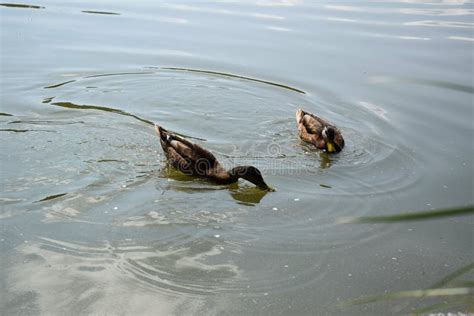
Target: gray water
(92,220)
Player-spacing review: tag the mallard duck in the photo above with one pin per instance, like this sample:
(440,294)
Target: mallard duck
(192,159)
(319,132)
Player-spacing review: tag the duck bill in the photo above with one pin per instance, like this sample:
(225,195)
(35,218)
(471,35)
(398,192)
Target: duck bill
(330,147)
(266,187)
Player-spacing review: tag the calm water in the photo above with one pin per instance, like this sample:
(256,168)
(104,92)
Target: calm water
(93,222)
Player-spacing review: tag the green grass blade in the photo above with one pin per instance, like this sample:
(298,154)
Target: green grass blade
(409,216)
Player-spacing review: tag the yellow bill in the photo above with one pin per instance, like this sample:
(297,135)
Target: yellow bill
(330,147)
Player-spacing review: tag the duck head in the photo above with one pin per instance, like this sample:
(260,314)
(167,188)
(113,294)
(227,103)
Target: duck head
(250,174)
(329,134)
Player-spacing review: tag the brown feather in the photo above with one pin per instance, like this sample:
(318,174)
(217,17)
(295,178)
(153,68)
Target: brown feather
(310,129)
(187,157)
(193,159)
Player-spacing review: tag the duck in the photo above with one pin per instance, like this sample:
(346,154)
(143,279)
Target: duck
(192,159)
(319,132)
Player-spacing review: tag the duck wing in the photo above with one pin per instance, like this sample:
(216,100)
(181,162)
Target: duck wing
(312,121)
(310,127)
(338,139)
(184,155)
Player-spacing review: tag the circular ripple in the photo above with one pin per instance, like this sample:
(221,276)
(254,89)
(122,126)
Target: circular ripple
(244,121)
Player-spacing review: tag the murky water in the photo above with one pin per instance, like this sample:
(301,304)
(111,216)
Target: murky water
(94,222)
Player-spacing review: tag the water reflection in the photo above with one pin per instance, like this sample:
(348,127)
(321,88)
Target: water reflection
(130,238)
(437,12)
(437,2)
(461,38)
(357,21)
(21,6)
(99,108)
(100,12)
(145,277)
(185,7)
(278,29)
(345,8)
(325,160)
(59,84)
(278,3)
(236,76)
(178,181)
(248,195)
(437,23)
(401,37)
(52,197)
(420,81)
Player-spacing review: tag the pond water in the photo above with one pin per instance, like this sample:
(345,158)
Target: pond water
(94,222)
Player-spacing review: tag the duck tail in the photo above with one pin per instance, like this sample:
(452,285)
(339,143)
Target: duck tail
(164,135)
(299,115)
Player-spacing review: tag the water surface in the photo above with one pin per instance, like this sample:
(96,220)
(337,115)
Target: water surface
(94,222)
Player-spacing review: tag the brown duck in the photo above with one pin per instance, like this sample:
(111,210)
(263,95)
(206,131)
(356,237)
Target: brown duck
(192,159)
(319,132)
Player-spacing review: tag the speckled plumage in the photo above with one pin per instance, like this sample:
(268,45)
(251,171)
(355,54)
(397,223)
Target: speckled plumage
(312,129)
(192,159)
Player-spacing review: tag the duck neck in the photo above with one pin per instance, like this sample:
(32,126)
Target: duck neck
(250,174)
(223,176)
(235,173)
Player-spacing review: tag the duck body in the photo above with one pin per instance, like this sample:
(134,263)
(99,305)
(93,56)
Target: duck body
(194,160)
(319,132)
